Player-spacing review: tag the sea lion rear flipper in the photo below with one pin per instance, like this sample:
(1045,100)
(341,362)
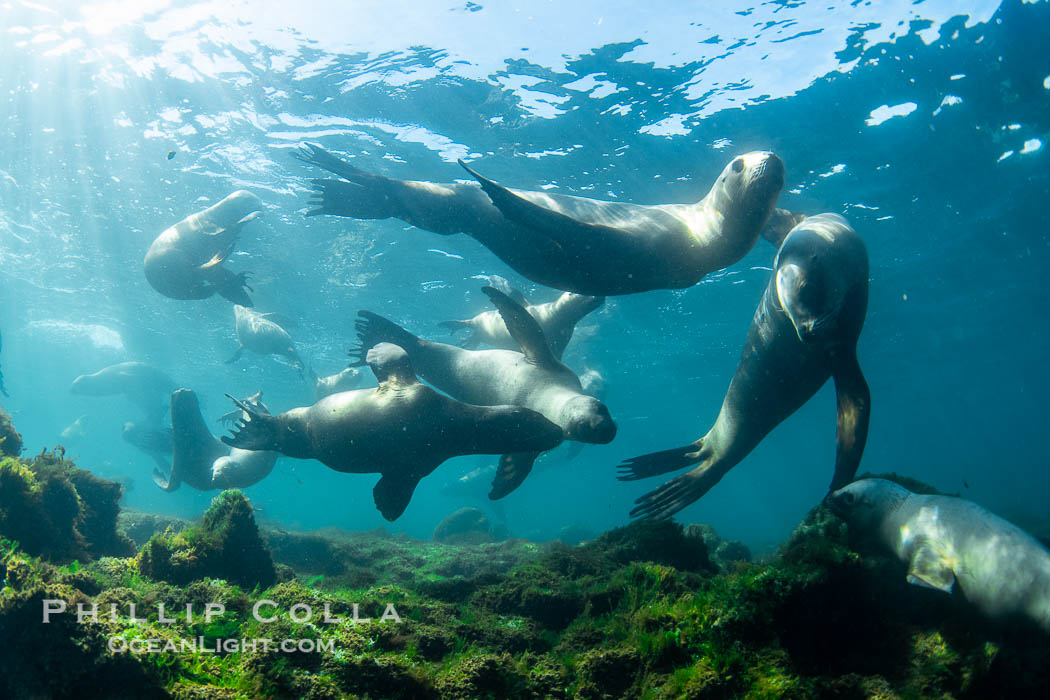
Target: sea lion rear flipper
(929,568)
(683,490)
(780,223)
(231,286)
(373,329)
(254,429)
(512,470)
(657,463)
(524,329)
(854,412)
(166,483)
(393,492)
(560,228)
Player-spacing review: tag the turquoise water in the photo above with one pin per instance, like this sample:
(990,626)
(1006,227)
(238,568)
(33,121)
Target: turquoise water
(922,125)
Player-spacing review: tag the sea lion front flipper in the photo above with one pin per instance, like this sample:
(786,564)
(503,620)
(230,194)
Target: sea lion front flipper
(512,470)
(854,412)
(393,492)
(780,223)
(524,329)
(662,462)
(166,483)
(558,227)
(929,568)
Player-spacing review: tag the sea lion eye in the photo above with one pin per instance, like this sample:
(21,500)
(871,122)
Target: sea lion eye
(738,165)
(849,498)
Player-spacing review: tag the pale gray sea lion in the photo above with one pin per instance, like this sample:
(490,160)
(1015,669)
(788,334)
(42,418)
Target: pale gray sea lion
(944,540)
(186,260)
(402,429)
(593,384)
(203,462)
(259,334)
(143,385)
(558,320)
(804,331)
(345,380)
(575,244)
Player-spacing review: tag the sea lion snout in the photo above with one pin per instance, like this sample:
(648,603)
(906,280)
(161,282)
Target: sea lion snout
(589,421)
(765,172)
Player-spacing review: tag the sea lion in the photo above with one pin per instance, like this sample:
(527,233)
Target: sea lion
(593,384)
(261,335)
(201,461)
(587,246)
(185,261)
(155,442)
(804,331)
(945,540)
(142,384)
(402,429)
(345,380)
(558,320)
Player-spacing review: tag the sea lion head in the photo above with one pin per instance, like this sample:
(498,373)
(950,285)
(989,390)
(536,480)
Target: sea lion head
(866,502)
(746,192)
(822,277)
(586,419)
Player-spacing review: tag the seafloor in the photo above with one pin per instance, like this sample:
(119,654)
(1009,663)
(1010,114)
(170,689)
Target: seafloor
(652,610)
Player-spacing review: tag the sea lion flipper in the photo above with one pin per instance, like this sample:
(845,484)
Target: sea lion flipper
(254,429)
(454,327)
(854,412)
(512,470)
(166,483)
(560,228)
(393,492)
(663,502)
(373,329)
(930,568)
(524,329)
(662,462)
(780,223)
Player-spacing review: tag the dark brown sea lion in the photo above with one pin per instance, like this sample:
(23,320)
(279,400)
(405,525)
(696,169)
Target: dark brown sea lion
(805,330)
(587,246)
(403,430)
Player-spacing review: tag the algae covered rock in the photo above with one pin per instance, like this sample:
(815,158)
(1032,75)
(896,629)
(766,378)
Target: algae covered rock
(226,544)
(10,439)
(59,512)
(465,526)
(659,541)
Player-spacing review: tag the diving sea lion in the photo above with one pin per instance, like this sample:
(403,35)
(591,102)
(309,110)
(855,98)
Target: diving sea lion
(558,320)
(402,429)
(945,540)
(260,335)
(805,330)
(346,380)
(587,246)
(142,384)
(201,461)
(532,378)
(185,261)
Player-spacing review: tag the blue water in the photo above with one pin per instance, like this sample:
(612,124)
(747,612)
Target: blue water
(924,126)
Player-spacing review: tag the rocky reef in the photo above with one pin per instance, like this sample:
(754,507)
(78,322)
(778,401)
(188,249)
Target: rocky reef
(10,439)
(650,610)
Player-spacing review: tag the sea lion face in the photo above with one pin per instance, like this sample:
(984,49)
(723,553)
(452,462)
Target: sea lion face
(586,419)
(810,291)
(748,188)
(866,502)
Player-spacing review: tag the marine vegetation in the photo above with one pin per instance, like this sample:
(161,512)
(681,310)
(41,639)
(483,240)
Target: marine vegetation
(10,440)
(650,610)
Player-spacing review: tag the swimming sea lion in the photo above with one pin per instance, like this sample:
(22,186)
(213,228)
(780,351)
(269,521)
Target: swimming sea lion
(533,378)
(558,320)
(945,540)
(593,384)
(201,461)
(402,429)
(587,246)
(805,330)
(260,335)
(346,380)
(185,261)
(142,384)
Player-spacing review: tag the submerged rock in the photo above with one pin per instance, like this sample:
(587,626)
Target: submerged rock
(10,439)
(226,544)
(465,526)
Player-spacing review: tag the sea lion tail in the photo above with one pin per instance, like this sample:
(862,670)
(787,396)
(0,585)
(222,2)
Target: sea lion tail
(254,429)
(658,463)
(373,329)
(454,326)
